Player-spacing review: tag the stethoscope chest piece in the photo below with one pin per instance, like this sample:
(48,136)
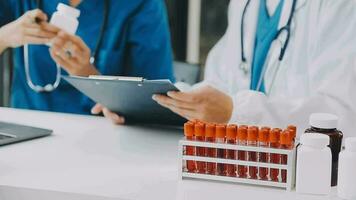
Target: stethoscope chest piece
(244,67)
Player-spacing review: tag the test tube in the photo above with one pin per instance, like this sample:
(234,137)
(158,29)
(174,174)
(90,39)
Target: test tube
(252,135)
(220,138)
(293,132)
(189,150)
(241,154)
(286,143)
(210,152)
(231,132)
(274,158)
(200,151)
(263,136)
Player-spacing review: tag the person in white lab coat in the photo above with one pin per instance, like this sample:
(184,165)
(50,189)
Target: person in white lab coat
(317,72)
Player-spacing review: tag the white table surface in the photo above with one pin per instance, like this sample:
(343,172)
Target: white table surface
(89,156)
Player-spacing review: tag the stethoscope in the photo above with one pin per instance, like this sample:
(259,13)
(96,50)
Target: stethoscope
(51,87)
(284,44)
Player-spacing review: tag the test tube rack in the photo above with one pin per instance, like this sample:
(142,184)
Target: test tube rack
(289,167)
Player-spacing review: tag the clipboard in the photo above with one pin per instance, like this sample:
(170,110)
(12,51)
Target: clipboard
(130,97)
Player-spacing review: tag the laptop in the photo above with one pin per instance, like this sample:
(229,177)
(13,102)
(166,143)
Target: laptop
(13,133)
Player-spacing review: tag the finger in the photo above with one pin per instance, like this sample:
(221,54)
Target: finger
(183,96)
(75,39)
(60,60)
(97,109)
(115,118)
(64,44)
(176,103)
(35,40)
(49,27)
(58,47)
(35,32)
(37,13)
(188,114)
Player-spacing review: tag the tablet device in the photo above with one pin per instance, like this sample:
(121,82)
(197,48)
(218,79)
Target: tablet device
(130,97)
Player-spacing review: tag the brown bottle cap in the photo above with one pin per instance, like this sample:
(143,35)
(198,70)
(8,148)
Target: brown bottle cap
(242,133)
(274,135)
(199,129)
(286,138)
(210,130)
(189,129)
(263,134)
(220,131)
(231,131)
(252,133)
(293,131)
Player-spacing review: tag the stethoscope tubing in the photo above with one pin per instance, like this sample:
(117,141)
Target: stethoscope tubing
(286,28)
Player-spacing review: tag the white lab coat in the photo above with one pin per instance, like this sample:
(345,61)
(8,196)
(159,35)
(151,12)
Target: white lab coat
(317,74)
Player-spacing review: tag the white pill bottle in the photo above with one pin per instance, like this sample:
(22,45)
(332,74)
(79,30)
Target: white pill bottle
(347,170)
(314,165)
(66,18)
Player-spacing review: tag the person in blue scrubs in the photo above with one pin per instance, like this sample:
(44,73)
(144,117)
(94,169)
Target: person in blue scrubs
(136,42)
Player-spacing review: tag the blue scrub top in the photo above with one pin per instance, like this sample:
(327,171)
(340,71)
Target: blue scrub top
(136,43)
(267,30)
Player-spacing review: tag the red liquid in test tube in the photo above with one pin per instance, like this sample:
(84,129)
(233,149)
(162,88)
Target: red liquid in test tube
(189,150)
(200,151)
(210,152)
(274,158)
(221,153)
(293,132)
(231,132)
(263,137)
(242,155)
(252,135)
(286,143)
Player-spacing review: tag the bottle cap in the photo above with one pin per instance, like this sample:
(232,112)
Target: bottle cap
(252,133)
(73,12)
(286,138)
(210,130)
(315,140)
(242,133)
(350,144)
(293,131)
(220,131)
(189,129)
(323,120)
(199,129)
(263,134)
(274,135)
(231,131)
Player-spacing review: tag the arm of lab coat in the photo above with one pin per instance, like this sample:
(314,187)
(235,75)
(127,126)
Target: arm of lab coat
(149,43)
(332,78)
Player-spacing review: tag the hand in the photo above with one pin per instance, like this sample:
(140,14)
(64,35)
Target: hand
(72,54)
(206,103)
(30,28)
(115,118)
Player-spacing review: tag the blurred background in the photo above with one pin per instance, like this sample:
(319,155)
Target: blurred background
(196,25)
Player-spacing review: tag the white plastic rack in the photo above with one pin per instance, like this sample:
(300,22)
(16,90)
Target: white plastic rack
(289,167)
